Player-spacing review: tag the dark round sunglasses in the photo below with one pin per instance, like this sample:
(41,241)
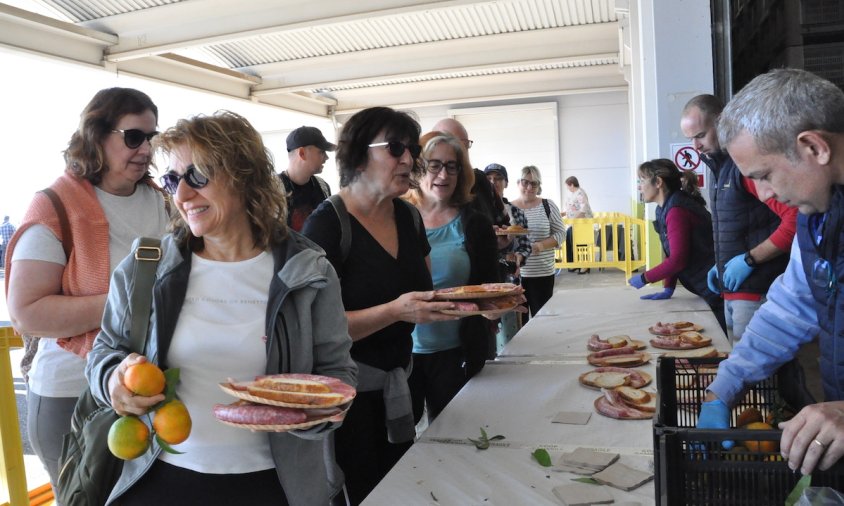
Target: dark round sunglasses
(170,181)
(397,148)
(133,138)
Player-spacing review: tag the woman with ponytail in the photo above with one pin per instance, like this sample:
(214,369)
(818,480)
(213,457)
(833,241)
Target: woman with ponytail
(685,231)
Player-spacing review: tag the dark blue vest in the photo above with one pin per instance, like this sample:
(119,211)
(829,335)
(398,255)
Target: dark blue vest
(702,258)
(740,221)
(828,299)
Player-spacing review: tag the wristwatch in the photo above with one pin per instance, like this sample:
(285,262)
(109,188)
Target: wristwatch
(749,260)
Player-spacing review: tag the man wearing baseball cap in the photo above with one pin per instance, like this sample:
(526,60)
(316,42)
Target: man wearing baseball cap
(306,154)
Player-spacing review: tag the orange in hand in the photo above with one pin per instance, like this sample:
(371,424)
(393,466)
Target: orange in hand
(128,437)
(172,422)
(144,379)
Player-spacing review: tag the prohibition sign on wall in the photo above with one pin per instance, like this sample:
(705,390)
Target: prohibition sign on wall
(686,158)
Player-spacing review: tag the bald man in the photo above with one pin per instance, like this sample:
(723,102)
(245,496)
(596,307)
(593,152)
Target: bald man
(455,128)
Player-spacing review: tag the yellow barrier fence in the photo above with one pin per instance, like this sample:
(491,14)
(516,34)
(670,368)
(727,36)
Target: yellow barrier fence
(609,240)
(12,470)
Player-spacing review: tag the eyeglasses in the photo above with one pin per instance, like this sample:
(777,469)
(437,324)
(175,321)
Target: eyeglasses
(195,179)
(436,166)
(397,148)
(467,142)
(133,138)
(531,184)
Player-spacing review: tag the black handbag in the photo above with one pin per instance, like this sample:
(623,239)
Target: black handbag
(87,469)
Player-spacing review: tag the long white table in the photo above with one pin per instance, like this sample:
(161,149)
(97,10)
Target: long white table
(517,395)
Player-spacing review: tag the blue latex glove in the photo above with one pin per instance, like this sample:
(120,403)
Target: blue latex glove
(637,281)
(665,294)
(712,280)
(735,272)
(715,415)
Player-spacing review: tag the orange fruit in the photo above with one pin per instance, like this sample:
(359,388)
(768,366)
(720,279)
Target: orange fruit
(748,416)
(172,422)
(760,446)
(144,379)
(128,437)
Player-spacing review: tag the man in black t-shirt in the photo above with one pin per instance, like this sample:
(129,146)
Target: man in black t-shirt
(306,153)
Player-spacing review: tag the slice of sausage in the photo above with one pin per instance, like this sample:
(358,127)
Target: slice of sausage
(258,414)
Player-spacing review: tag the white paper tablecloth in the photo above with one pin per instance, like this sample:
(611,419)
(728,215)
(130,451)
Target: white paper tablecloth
(519,394)
(458,475)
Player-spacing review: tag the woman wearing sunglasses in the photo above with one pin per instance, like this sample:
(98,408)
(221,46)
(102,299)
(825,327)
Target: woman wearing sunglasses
(546,234)
(57,276)
(463,251)
(386,285)
(237,295)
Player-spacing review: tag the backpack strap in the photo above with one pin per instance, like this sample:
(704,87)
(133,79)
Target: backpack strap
(547,207)
(147,256)
(345,225)
(414,213)
(64,224)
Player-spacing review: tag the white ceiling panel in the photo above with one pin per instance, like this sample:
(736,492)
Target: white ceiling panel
(329,55)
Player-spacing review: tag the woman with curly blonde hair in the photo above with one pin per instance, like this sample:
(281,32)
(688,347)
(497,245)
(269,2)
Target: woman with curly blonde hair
(236,295)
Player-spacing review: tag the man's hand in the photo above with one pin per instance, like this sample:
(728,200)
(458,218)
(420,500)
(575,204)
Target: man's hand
(715,414)
(735,272)
(712,279)
(637,281)
(814,437)
(665,294)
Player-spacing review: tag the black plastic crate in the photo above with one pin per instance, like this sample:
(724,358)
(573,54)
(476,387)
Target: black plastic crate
(690,465)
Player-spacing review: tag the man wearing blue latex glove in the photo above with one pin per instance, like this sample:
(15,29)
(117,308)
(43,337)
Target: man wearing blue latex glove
(745,227)
(736,271)
(784,131)
(714,414)
(664,294)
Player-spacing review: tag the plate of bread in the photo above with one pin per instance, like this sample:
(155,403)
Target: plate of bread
(672,329)
(262,417)
(512,230)
(626,403)
(491,307)
(625,356)
(292,390)
(612,377)
(682,341)
(483,291)
(596,343)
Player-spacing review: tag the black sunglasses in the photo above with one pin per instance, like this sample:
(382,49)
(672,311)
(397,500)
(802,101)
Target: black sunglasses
(397,148)
(133,138)
(195,179)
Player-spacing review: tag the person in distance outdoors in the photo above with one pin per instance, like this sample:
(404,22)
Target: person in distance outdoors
(546,234)
(386,282)
(237,294)
(576,206)
(446,354)
(306,155)
(57,278)
(684,227)
(785,131)
(751,235)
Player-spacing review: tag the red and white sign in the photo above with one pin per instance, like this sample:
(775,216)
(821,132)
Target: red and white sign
(686,157)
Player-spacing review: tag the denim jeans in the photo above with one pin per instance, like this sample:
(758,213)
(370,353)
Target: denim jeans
(738,314)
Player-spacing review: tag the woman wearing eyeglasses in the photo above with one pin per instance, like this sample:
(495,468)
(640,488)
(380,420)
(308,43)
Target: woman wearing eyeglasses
(386,284)
(57,277)
(237,295)
(546,234)
(463,251)
(684,227)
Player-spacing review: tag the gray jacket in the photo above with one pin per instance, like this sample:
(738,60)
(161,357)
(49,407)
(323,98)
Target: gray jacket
(307,333)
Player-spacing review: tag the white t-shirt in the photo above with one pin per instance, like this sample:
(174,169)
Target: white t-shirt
(56,372)
(221,334)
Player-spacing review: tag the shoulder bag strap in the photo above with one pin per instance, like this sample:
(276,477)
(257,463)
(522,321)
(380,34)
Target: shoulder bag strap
(146,262)
(67,235)
(547,207)
(345,225)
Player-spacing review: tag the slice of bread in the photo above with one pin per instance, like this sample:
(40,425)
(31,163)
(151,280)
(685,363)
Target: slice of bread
(706,351)
(309,398)
(633,395)
(618,341)
(605,379)
(649,406)
(283,384)
(622,360)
